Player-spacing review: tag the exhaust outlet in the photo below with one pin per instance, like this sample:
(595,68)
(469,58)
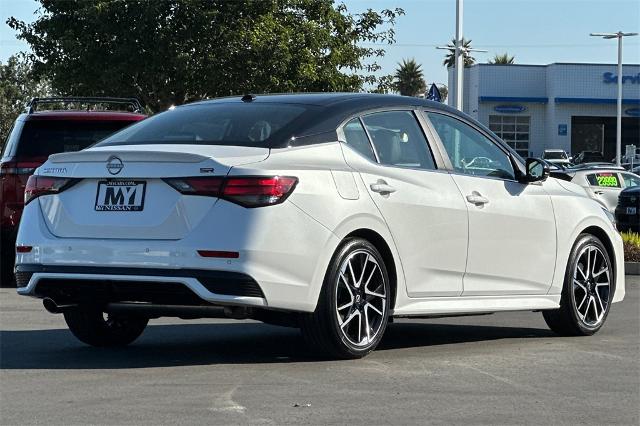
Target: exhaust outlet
(52,307)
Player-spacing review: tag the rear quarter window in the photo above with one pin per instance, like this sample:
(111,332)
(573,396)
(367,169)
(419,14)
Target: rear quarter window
(604,179)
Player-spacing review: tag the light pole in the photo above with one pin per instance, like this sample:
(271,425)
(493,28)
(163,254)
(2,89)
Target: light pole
(459,55)
(619,35)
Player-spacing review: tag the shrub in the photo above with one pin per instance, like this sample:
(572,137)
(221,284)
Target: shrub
(631,242)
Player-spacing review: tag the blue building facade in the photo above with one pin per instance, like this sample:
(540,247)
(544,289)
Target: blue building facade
(570,106)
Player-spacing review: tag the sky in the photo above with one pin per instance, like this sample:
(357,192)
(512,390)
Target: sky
(534,31)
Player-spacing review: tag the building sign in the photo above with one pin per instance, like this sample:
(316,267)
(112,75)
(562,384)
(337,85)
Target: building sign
(562,130)
(510,109)
(633,112)
(609,77)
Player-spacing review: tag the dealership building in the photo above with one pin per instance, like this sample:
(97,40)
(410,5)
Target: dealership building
(570,106)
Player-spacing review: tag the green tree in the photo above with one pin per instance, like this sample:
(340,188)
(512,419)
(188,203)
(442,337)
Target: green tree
(167,52)
(444,92)
(385,84)
(409,79)
(503,59)
(450,59)
(17,87)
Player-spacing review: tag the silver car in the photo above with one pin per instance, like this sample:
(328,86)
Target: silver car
(603,182)
(556,156)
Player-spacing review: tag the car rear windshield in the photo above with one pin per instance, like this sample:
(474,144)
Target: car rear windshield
(41,138)
(240,124)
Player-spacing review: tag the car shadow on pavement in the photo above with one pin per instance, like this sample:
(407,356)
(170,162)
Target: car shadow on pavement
(206,344)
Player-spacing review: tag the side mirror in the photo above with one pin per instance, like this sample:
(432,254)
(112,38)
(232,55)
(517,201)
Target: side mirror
(537,170)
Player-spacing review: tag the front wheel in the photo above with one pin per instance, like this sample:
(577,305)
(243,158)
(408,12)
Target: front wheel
(353,309)
(587,292)
(93,327)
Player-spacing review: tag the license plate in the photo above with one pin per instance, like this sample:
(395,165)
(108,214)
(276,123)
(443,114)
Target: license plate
(631,210)
(120,195)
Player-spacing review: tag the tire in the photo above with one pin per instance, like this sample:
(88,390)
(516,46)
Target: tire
(349,295)
(94,328)
(586,295)
(7,258)
(7,279)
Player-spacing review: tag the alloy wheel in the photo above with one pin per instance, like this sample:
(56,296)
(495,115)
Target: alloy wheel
(591,285)
(361,298)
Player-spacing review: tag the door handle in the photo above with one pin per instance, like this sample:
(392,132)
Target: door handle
(477,199)
(598,192)
(382,187)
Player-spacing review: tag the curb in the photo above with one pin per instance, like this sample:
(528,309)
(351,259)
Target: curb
(632,268)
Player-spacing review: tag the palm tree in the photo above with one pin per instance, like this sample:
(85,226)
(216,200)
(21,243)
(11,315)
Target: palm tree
(450,59)
(503,59)
(408,79)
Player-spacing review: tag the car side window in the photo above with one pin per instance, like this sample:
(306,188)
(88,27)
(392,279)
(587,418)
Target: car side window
(398,139)
(470,151)
(630,180)
(604,180)
(356,137)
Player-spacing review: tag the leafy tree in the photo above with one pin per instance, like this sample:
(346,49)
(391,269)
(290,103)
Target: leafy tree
(444,92)
(450,59)
(409,79)
(167,52)
(17,86)
(503,59)
(385,84)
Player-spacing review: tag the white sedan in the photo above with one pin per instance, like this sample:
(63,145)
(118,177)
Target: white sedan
(328,212)
(602,182)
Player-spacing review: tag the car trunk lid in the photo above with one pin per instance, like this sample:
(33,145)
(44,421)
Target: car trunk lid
(120,192)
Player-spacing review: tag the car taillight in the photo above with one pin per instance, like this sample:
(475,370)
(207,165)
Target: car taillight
(13,178)
(18,168)
(44,185)
(207,186)
(258,191)
(251,191)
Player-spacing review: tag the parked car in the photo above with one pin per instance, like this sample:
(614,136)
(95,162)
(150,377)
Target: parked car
(589,157)
(329,212)
(35,135)
(556,156)
(602,182)
(628,210)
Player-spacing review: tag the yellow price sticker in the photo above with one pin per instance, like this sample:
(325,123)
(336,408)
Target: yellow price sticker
(607,180)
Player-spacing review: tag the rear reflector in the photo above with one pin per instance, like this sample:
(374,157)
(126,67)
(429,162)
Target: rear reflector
(220,254)
(44,185)
(252,191)
(23,249)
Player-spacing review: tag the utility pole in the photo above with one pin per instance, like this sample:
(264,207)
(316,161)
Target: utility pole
(619,35)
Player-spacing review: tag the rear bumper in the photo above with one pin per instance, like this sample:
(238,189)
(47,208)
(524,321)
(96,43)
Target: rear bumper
(75,284)
(287,264)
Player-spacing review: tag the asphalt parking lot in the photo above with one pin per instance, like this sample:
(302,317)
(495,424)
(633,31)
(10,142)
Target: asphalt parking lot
(498,369)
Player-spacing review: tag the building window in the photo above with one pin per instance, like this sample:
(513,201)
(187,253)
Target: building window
(513,129)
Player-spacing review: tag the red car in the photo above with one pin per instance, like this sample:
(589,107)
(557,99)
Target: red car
(38,133)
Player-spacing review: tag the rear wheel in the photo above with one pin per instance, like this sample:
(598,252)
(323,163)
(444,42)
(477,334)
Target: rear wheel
(93,327)
(587,292)
(353,309)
